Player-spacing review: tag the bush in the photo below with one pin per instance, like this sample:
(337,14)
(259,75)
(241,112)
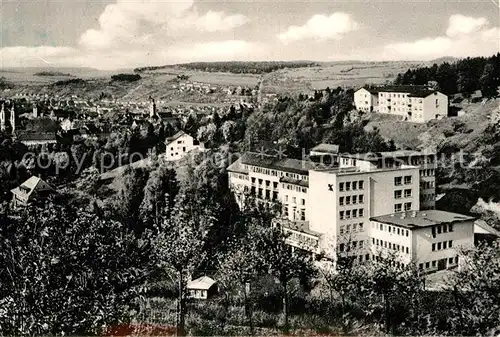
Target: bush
(126,77)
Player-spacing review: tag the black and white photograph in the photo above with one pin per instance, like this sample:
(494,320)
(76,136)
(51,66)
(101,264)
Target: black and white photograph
(249,168)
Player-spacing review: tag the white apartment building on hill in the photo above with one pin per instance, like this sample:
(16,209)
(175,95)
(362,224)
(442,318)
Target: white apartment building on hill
(413,103)
(331,208)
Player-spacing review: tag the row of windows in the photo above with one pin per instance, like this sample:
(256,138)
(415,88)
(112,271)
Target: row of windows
(351,246)
(427,184)
(275,173)
(296,188)
(296,214)
(354,199)
(442,245)
(398,194)
(266,182)
(354,213)
(428,265)
(442,229)
(356,227)
(352,185)
(390,245)
(238,176)
(398,181)
(265,194)
(294,200)
(399,207)
(427,173)
(391,229)
(297,237)
(428,197)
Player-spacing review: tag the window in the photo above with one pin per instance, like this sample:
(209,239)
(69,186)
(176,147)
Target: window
(341,247)
(398,181)
(361,213)
(341,201)
(348,186)
(361,244)
(348,228)
(397,208)
(450,243)
(407,232)
(354,199)
(348,214)
(445,244)
(378,242)
(450,227)
(390,245)
(303,202)
(361,198)
(408,193)
(433,247)
(398,194)
(361,229)
(302,214)
(381,227)
(389,228)
(285,211)
(407,250)
(361,184)
(433,264)
(456,259)
(354,214)
(342,229)
(341,187)
(398,231)
(341,213)
(373,240)
(427,265)
(348,200)
(407,180)
(354,244)
(354,185)
(407,206)
(450,260)
(439,246)
(439,229)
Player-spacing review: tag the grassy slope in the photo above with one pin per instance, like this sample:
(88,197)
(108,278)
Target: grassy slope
(448,131)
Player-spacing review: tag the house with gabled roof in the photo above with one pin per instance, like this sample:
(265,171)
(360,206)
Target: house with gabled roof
(179,145)
(202,288)
(31,189)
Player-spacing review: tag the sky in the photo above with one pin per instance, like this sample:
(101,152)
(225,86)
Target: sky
(113,34)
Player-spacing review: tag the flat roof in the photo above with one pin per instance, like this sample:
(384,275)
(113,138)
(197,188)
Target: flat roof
(372,156)
(421,219)
(280,164)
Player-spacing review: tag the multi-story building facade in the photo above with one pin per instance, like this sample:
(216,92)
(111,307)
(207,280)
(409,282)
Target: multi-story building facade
(427,238)
(424,160)
(414,103)
(334,208)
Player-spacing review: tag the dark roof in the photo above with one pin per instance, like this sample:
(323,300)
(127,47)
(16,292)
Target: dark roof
(272,162)
(420,219)
(413,90)
(174,137)
(237,167)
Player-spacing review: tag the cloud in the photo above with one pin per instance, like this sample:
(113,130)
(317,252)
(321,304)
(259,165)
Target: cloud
(212,51)
(459,24)
(149,22)
(321,27)
(21,56)
(465,36)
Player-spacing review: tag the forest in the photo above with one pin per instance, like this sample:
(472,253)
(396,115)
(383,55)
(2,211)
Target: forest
(463,76)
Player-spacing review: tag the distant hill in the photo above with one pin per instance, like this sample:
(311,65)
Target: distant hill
(444,59)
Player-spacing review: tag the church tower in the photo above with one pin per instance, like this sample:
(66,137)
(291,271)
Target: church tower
(2,118)
(152,107)
(35,110)
(13,119)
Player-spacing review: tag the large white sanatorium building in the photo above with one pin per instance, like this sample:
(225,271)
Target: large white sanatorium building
(338,207)
(414,103)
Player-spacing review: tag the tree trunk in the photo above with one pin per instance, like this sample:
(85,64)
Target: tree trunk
(248,311)
(285,307)
(180,308)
